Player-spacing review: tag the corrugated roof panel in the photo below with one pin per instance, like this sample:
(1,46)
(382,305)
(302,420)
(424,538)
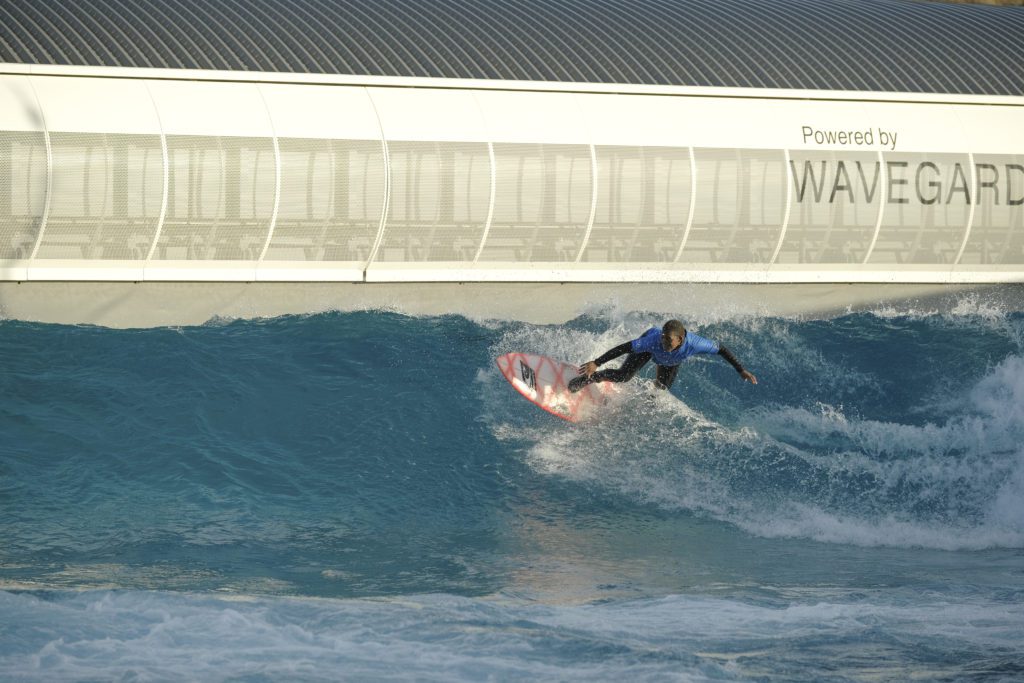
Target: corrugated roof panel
(882,45)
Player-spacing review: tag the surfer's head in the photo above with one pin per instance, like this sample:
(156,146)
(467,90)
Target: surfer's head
(672,335)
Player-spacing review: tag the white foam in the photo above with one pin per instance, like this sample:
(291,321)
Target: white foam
(161,636)
(968,312)
(978,453)
(969,305)
(801,521)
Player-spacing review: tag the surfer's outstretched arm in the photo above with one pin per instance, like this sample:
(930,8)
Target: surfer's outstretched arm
(733,361)
(590,367)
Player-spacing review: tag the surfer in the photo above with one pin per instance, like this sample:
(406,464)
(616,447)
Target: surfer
(669,347)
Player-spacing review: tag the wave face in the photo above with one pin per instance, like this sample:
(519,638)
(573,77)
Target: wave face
(378,461)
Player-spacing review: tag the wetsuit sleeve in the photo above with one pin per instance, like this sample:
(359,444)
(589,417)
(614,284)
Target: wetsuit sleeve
(727,354)
(619,350)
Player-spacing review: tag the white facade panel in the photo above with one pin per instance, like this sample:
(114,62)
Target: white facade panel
(434,115)
(303,111)
(992,129)
(745,124)
(825,125)
(200,271)
(908,128)
(638,120)
(20,109)
(96,105)
(14,271)
(340,271)
(656,272)
(820,125)
(552,118)
(195,108)
(61,270)
(205,180)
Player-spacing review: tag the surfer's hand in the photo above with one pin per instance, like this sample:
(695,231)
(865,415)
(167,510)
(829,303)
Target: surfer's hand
(748,376)
(588,368)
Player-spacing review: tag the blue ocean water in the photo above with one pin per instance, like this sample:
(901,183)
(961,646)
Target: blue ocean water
(361,496)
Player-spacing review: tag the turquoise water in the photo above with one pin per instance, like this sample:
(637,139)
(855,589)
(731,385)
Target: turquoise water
(362,496)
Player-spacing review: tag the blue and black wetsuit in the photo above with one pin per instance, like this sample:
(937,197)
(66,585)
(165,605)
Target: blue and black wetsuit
(648,346)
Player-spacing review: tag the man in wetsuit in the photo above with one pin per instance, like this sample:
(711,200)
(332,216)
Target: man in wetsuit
(669,347)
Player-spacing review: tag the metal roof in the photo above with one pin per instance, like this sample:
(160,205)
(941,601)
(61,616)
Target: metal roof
(858,45)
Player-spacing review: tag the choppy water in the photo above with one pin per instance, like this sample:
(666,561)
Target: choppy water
(362,496)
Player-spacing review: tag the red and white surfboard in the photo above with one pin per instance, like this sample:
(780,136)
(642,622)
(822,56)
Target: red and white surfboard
(545,381)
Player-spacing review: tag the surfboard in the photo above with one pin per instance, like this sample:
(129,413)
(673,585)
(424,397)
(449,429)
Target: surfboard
(544,381)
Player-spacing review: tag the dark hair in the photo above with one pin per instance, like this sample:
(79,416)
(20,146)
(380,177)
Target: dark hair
(674,327)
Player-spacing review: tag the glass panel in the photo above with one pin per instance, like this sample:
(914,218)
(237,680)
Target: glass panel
(332,196)
(440,194)
(542,202)
(643,203)
(997,233)
(741,196)
(926,209)
(22,192)
(107,192)
(835,203)
(220,198)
